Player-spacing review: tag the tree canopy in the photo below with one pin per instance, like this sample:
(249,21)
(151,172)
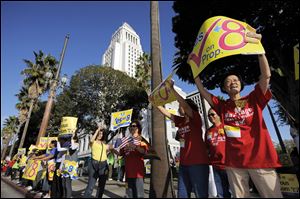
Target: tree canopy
(276,20)
(94,93)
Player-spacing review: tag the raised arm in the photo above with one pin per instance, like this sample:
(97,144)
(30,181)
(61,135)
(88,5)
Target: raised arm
(94,136)
(203,91)
(265,73)
(187,109)
(165,112)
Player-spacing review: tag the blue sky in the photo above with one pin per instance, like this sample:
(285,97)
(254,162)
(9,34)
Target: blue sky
(33,26)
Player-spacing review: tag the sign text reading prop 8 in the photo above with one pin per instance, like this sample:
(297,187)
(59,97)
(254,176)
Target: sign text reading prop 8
(220,37)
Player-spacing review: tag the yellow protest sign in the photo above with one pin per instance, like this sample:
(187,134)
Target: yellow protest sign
(31,169)
(296,61)
(21,150)
(162,94)
(70,169)
(289,183)
(68,125)
(120,119)
(219,37)
(43,143)
(51,169)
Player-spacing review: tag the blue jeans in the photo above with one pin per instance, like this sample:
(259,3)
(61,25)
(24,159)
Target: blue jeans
(222,183)
(93,177)
(193,178)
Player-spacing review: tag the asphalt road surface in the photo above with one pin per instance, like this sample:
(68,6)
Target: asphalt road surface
(9,192)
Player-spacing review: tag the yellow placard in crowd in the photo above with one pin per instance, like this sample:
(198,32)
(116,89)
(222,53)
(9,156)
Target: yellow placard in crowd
(219,37)
(70,168)
(21,151)
(68,125)
(43,143)
(120,119)
(51,169)
(31,169)
(162,94)
(289,183)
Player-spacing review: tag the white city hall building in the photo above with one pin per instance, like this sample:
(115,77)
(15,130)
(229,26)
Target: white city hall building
(123,51)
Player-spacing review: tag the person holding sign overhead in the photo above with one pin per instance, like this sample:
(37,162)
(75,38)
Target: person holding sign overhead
(98,167)
(193,168)
(249,148)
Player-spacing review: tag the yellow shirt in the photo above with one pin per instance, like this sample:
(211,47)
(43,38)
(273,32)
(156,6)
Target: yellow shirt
(96,151)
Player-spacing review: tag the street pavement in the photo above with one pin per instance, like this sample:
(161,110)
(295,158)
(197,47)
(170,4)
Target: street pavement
(113,189)
(9,192)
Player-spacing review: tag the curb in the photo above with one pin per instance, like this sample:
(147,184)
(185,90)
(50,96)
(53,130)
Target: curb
(9,182)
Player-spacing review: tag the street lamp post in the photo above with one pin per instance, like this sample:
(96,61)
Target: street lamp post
(52,93)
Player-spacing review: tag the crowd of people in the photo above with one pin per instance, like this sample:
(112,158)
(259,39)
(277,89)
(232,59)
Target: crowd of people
(237,145)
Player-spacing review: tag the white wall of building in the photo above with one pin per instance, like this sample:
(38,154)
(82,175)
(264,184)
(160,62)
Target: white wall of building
(124,50)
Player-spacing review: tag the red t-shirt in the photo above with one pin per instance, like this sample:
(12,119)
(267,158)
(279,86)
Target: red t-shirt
(134,162)
(248,143)
(215,141)
(192,147)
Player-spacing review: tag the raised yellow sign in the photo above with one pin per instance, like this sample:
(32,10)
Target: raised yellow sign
(68,125)
(162,94)
(21,150)
(120,119)
(220,37)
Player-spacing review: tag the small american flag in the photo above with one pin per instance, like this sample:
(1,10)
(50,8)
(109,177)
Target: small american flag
(125,141)
(136,141)
(130,139)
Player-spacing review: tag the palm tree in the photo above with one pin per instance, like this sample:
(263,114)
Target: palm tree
(160,186)
(10,125)
(23,106)
(143,72)
(36,82)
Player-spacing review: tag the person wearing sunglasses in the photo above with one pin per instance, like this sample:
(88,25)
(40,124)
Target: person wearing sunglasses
(133,152)
(215,142)
(193,168)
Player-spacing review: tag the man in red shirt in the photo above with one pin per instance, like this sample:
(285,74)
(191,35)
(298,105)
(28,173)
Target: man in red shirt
(249,148)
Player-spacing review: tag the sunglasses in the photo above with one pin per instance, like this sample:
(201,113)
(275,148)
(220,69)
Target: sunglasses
(211,114)
(133,126)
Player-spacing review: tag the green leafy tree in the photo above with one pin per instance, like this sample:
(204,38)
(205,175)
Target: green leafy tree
(94,93)
(9,128)
(275,20)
